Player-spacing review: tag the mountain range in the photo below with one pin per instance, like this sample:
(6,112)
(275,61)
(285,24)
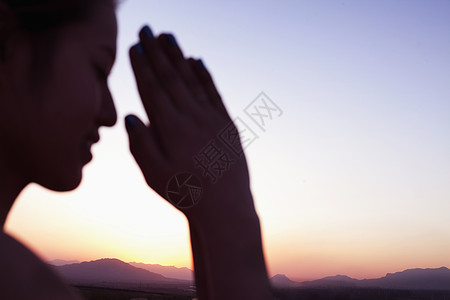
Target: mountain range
(107,270)
(411,279)
(114,271)
(166,271)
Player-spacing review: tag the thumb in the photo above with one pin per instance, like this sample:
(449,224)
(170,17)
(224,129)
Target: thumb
(144,146)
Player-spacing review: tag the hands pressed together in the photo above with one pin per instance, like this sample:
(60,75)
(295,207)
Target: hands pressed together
(186,113)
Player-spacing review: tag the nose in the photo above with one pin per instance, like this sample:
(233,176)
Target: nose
(108,114)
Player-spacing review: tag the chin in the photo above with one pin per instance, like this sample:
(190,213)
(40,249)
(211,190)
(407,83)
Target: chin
(63,182)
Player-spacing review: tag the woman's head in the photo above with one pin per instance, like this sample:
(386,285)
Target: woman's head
(53,86)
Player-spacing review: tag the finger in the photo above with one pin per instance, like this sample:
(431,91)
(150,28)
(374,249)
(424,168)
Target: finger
(145,147)
(156,102)
(165,72)
(170,46)
(208,85)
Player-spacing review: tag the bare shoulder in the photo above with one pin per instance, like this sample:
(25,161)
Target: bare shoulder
(24,276)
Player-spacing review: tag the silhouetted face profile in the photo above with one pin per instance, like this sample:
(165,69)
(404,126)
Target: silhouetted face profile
(50,116)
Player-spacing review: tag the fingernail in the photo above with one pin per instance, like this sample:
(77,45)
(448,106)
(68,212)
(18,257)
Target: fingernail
(147,31)
(139,48)
(171,39)
(130,121)
(201,64)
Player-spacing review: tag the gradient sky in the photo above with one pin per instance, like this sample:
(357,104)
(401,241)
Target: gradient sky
(353,178)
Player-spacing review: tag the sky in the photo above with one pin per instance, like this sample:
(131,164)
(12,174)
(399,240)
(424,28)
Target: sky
(352,178)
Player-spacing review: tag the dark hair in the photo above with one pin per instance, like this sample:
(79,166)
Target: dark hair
(36,16)
(42,20)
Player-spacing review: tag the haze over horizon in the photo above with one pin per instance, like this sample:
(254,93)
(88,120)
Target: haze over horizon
(352,178)
(59,262)
(114,271)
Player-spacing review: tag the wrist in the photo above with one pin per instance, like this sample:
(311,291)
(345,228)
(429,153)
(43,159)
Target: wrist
(220,204)
(231,247)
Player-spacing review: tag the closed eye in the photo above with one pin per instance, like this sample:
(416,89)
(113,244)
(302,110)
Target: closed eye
(101,72)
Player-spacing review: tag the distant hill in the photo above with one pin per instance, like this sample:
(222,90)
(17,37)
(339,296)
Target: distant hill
(60,262)
(282,281)
(332,281)
(411,279)
(167,271)
(108,270)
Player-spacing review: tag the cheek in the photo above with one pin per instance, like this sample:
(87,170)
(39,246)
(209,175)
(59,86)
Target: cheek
(80,99)
(69,111)
(97,92)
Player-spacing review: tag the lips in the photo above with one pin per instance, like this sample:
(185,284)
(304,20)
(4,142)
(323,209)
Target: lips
(92,138)
(87,144)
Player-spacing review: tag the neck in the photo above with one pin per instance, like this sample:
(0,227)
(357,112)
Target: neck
(10,187)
